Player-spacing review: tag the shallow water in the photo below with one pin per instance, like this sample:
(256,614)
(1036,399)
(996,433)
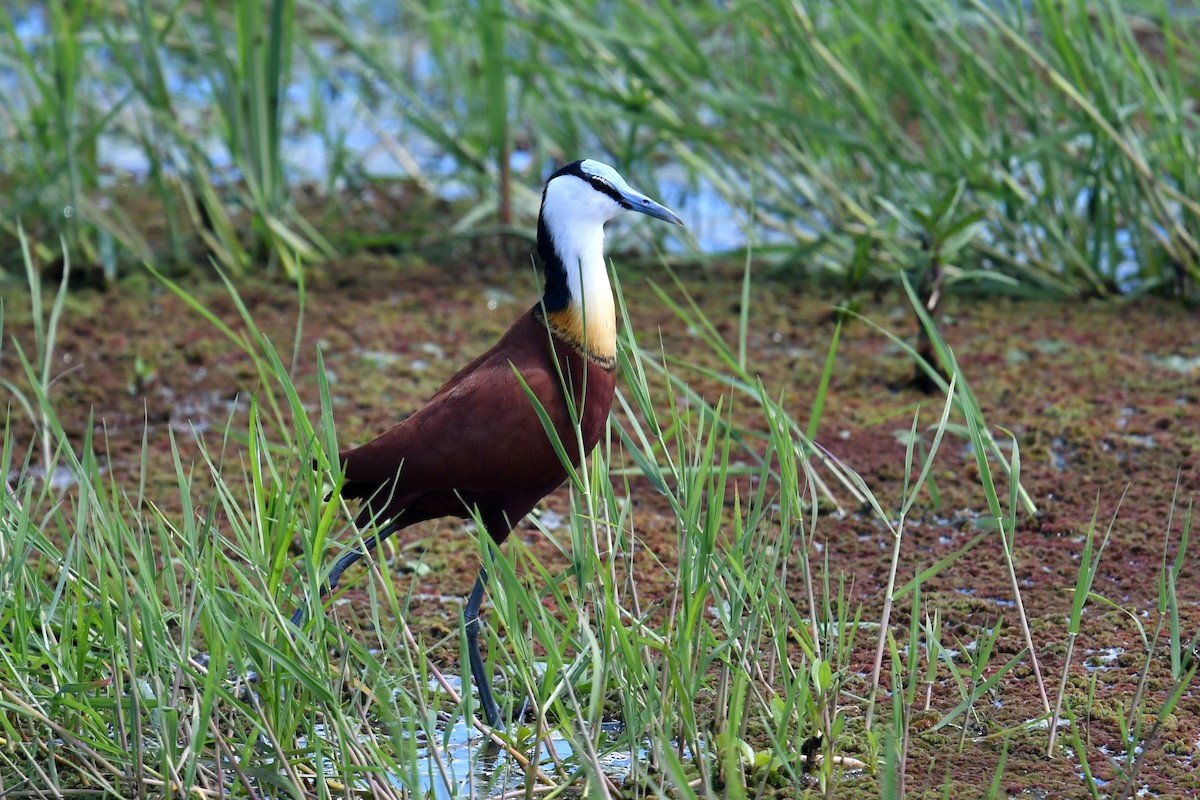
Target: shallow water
(468,764)
(712,225)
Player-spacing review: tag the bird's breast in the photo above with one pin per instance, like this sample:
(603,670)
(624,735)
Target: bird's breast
(591,384)
(591,331)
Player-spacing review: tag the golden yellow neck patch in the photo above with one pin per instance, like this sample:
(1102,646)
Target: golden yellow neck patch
(597,341)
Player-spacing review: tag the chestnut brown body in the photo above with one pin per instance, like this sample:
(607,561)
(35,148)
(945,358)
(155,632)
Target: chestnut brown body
(479,442)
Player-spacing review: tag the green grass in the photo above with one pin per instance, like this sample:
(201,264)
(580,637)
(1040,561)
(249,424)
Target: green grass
(933,144)
(147,652)
(1041,148)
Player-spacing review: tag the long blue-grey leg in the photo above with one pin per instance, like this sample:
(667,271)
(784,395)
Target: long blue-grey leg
(478,669)
(345,561)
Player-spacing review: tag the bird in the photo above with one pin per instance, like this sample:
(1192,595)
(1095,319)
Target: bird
(478,447)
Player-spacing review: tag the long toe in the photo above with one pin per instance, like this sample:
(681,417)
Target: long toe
(487,701)
(526,709)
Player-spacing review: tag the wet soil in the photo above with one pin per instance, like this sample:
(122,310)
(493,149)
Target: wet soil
(1104,400)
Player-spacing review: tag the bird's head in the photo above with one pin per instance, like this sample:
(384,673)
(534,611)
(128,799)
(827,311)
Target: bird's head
(586,193)
(578,200)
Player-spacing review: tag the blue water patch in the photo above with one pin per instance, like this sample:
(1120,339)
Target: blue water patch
(343,106)
(341,122)
(459,761)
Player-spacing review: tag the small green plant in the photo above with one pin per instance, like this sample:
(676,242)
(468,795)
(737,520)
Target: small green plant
(250,82)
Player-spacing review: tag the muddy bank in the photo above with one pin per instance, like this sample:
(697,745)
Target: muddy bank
(1103,399)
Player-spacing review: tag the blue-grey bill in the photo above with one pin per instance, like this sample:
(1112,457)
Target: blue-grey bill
(644,205)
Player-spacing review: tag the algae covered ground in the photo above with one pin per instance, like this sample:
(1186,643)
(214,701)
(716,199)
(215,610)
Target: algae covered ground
(1103,400)
(828,547)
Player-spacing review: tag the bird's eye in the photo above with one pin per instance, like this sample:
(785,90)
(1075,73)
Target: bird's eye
(604,186)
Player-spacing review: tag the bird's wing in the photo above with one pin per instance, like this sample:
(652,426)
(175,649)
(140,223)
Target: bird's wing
(478,433)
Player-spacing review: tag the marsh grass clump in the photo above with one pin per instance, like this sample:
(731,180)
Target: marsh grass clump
(781,572)
(682,631)
(827,137)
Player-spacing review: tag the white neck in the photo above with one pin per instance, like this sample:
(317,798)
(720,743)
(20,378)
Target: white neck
(587,275)
(580,245)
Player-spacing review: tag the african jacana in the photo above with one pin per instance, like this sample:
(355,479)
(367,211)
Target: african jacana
(478,444)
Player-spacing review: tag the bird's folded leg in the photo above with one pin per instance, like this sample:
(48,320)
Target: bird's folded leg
(478,669)
(335,575)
